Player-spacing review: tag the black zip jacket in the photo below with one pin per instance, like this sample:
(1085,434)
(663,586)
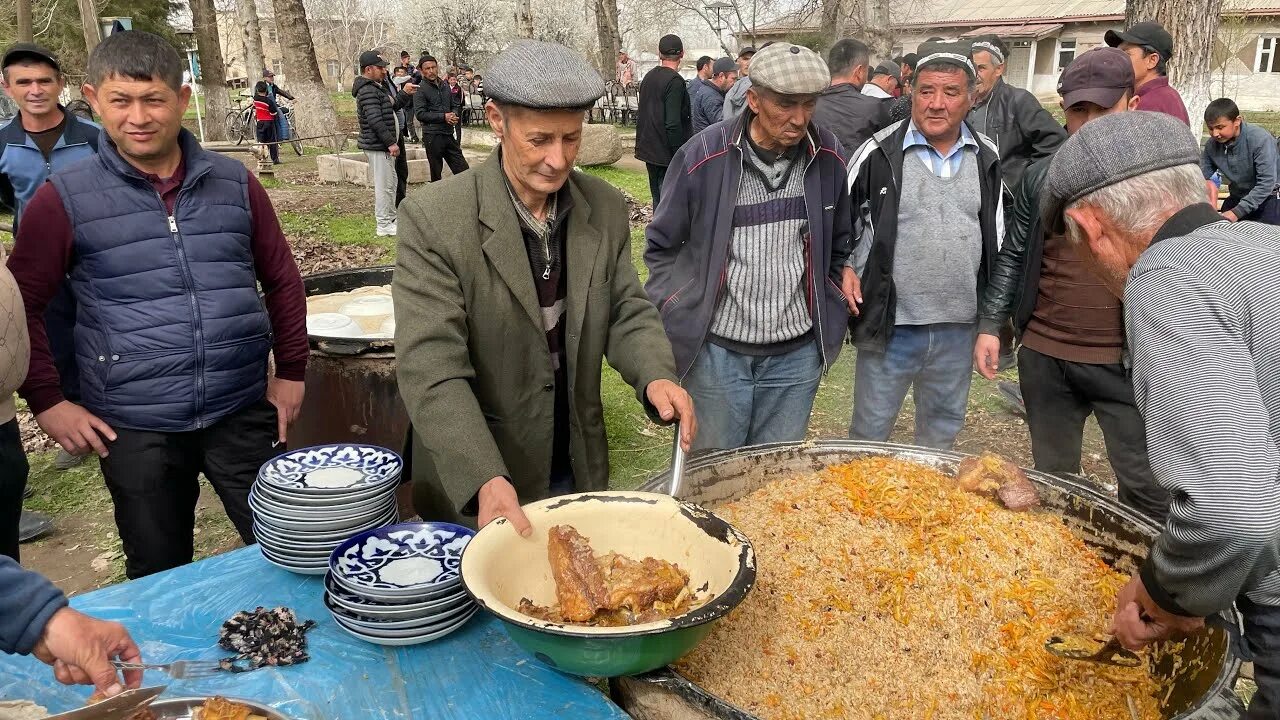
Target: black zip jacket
(1015,276)
(1023,130)
(851,116)
(875,181)
(664,120)
(376,111)
(430,104)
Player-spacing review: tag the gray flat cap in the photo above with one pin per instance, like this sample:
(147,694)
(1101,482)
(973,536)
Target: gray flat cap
(890,68)
(543,76)
(1108,150)
(790,70)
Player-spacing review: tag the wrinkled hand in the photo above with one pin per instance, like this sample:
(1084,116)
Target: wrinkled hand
(673,403)
(1139,621)
(851,286)
(986,355)
(286,395)
(81,648)
(77,430)
(394,150)
(1230,215)
(497,499)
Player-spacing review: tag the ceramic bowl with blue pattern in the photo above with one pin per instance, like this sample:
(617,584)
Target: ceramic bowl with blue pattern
(408,560)
(339,469)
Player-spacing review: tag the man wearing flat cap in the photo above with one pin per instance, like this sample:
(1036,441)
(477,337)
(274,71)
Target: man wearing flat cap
(884,82)
(513,282)
(1150,47)
(746,257)
(1012,117)
(926,196)
(1201,302)
(1070,365)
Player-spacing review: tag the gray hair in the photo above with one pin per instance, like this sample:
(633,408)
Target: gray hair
(135,55)
(1139,205)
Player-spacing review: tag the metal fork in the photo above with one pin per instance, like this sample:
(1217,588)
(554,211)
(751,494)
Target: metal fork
(178,670)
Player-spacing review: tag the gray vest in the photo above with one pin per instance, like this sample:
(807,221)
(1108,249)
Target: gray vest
(939,250)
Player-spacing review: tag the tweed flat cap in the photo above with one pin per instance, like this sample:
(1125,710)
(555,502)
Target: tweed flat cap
(542,76)
(1108,150)
(790,70)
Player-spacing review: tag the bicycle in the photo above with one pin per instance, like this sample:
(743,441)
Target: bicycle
(240,123)
(287,111)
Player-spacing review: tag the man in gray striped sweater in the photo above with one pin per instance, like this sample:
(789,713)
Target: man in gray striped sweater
(1201,300)
(746,256)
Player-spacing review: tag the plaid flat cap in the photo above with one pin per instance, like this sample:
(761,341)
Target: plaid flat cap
(542,76)
(790,70)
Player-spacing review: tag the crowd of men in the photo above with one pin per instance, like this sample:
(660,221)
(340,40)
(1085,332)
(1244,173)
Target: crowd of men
(802,217)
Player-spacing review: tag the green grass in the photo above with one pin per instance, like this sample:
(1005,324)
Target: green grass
(633,182)
(339,229)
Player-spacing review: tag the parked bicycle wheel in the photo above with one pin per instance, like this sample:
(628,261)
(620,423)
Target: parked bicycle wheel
(293,135)
(232,122)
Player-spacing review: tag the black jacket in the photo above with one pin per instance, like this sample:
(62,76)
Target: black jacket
(1022,129)
(1015,277)
(376,111)
(664,120)
(430,104)
(851,116)
(875,173)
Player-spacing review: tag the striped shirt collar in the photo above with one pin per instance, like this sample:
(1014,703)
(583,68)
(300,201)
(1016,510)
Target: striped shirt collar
(944,166)
(1186,221)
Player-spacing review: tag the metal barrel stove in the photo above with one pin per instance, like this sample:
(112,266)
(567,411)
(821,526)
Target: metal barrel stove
(351,382)
(1203,674)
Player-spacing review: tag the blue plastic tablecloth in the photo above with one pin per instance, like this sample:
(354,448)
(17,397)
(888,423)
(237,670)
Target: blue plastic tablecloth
(475,672)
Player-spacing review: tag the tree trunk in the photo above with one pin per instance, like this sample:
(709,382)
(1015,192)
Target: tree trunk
(313,111)
(524,19)
(607,31)
(878,31)
(25,33)
(834,14)
(247,14)
(1194,27)
(213,73)
(89,25)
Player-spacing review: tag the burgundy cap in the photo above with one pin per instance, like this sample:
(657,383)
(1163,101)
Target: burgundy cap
(1100,76)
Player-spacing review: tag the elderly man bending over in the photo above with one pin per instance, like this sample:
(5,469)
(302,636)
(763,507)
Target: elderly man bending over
(746,257)
(1201,302)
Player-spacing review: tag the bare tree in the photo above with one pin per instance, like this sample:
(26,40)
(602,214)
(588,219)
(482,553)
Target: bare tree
(610,37)
(464,31)
(313,112)
(524,19)
(348,28)
(213,74)
(251,34)
(1194,27)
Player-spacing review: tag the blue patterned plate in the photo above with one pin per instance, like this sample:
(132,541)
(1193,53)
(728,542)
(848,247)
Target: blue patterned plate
(332,469)
(405,560)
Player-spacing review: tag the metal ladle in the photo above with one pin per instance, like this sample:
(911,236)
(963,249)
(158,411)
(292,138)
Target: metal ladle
(1077,647)
(677,466)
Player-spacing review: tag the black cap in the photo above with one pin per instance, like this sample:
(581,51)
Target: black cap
(1101,76)
(670,46)
(724,65)
(910,60)
(29,51)
(371,57)
(888,67)
(1148,33)
(748,50)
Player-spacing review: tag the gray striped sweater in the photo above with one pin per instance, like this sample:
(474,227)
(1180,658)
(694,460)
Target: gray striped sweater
(1203,317)
(764,300)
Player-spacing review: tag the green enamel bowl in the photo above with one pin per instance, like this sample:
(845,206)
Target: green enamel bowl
(499,568)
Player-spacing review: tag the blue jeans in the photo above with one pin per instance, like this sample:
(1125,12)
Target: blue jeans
(937,360)
(752,399)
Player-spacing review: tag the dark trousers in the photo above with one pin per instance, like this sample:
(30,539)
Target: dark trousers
(267,132)
(441,149)
(1268,212)
(402,173)
(13,483)
(1060,396)
(153,479)
(1262,633)
(657,173)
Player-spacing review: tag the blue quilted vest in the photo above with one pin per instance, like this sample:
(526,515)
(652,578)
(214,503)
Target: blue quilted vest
(170,332)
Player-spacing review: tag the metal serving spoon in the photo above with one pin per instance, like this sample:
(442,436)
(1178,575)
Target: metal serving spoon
(1079,647)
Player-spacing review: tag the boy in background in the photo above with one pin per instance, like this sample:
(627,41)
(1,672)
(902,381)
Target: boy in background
(266,112)
(1245,156)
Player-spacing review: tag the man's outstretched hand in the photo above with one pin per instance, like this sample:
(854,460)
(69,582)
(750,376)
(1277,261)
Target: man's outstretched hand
(80,649)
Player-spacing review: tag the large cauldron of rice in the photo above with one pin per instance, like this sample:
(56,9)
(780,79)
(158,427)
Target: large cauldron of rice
(884,591)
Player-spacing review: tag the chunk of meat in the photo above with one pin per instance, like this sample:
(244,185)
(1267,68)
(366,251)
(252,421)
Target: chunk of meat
(972,475)
(992,473)
(580,585)
(638,585)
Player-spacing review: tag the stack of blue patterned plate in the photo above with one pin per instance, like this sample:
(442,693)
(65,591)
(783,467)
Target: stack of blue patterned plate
(306,502)
(401,584)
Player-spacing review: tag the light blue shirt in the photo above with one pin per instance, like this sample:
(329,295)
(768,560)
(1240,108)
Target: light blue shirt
(944,165)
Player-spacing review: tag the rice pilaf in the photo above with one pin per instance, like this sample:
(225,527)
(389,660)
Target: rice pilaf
(886,592)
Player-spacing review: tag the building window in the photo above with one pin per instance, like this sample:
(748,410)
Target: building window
(1066,53)
(1268,59)
(332,68)
(277,67)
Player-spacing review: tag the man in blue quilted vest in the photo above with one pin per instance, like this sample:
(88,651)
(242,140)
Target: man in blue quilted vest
(164,246)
